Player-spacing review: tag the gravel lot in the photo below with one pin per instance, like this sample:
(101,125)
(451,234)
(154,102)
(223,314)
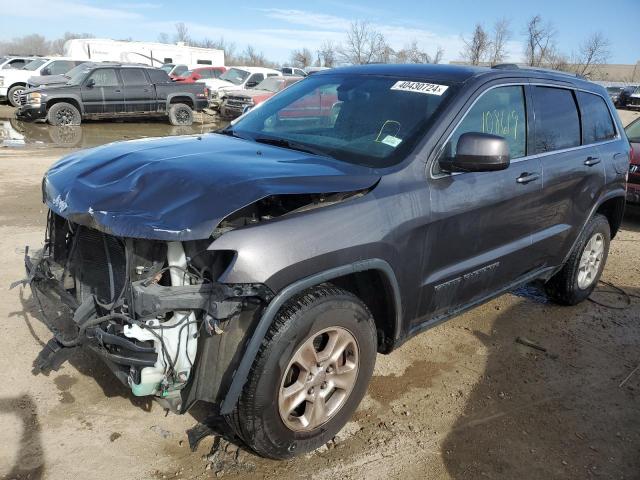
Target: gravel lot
(462,401)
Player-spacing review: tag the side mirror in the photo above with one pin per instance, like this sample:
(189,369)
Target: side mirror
(90,83)
(45,71)
(251,84)
(478,152)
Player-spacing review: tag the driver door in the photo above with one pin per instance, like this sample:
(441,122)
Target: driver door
(479,240)
(102,92)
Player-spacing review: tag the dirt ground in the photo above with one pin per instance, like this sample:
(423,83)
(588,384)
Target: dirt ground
(461,401)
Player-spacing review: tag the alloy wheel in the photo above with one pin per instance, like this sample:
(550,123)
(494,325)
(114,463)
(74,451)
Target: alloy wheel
(590,261)
(318,379)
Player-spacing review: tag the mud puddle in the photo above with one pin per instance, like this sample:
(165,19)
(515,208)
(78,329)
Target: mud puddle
(14,133)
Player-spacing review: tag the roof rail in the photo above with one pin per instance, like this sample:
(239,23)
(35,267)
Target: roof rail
(509,66)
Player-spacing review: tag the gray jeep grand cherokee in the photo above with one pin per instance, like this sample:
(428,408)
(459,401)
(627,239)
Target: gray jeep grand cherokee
(262,268)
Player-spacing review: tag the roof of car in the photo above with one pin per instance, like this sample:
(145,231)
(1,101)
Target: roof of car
(90,64)
(255,69)
(454,73)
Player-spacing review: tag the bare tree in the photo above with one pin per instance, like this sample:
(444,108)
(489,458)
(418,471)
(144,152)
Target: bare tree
(163,37)
(33,44)
(252,58)
(477,47)
(437,58)
(540,42)
(363,45)
(592,52)
(182,33)
(229,49)
(301,58)
(498,47)
(412,54)
(327,54)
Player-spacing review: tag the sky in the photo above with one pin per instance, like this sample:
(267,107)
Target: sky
(276,27)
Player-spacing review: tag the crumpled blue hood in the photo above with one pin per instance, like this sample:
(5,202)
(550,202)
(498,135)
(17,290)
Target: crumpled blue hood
(180,188)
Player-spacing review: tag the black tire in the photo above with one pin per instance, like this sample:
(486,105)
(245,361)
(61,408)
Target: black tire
(63,114)
(14,93)
(563,287)
(180,114)
(257,419)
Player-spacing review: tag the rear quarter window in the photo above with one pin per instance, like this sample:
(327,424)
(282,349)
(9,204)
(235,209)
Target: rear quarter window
(597,124)
(158,76)
(557,124)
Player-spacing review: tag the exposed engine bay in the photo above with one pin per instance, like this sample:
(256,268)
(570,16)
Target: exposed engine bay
(144,306)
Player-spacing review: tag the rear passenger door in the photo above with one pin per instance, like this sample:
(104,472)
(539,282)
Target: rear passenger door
(572,168)
(482,222)
(102,92)
(139,94)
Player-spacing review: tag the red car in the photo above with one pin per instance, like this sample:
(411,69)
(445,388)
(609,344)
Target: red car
(633,185)
(237,100)
(200,73)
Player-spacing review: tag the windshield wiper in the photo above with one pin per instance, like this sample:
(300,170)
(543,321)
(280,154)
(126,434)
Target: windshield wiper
(281,142)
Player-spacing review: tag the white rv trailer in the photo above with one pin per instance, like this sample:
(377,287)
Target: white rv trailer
(149,53)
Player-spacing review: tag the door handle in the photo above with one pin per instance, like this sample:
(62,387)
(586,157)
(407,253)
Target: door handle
(527,177)
(591,161)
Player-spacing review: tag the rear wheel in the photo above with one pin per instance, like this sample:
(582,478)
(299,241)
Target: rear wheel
(310,374)
(63,114)
(13,95)
(580,275)
(180,114)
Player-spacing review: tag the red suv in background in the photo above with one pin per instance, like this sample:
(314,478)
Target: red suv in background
(633,185)
(200,73)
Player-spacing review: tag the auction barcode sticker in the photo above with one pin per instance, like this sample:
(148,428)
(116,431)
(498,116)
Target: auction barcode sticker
(420,87)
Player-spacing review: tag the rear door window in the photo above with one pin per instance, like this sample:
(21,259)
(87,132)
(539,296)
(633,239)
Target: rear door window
(597,124)
(133,76)
(499,111)
(557,125)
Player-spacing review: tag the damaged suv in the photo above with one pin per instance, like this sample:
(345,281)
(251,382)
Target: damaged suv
(263,267)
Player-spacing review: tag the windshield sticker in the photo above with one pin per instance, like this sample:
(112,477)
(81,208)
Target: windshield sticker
(391,141)
(419,87)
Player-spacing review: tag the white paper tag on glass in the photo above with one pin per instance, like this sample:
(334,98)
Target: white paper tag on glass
(420,87)
(391,141)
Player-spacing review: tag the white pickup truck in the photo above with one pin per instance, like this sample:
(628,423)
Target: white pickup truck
(13,82)
(236,78)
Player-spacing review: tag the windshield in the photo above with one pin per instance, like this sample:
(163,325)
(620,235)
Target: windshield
(271,84)
(362,119)
(167,67)
(633,132)
(235,76)
(614,89)
(77,74)
(34,64)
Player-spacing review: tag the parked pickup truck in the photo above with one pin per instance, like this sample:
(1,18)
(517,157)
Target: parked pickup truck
(104,90)
(237,78)
(237,101)
(13,82)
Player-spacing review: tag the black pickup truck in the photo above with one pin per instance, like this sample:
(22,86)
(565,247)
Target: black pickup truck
(109,90)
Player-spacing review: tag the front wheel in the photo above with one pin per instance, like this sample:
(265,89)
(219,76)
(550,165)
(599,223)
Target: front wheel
(14,93)
(309,375)
(63,114)
(580,275)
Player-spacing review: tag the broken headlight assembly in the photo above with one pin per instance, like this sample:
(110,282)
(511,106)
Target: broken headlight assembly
(141,305)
